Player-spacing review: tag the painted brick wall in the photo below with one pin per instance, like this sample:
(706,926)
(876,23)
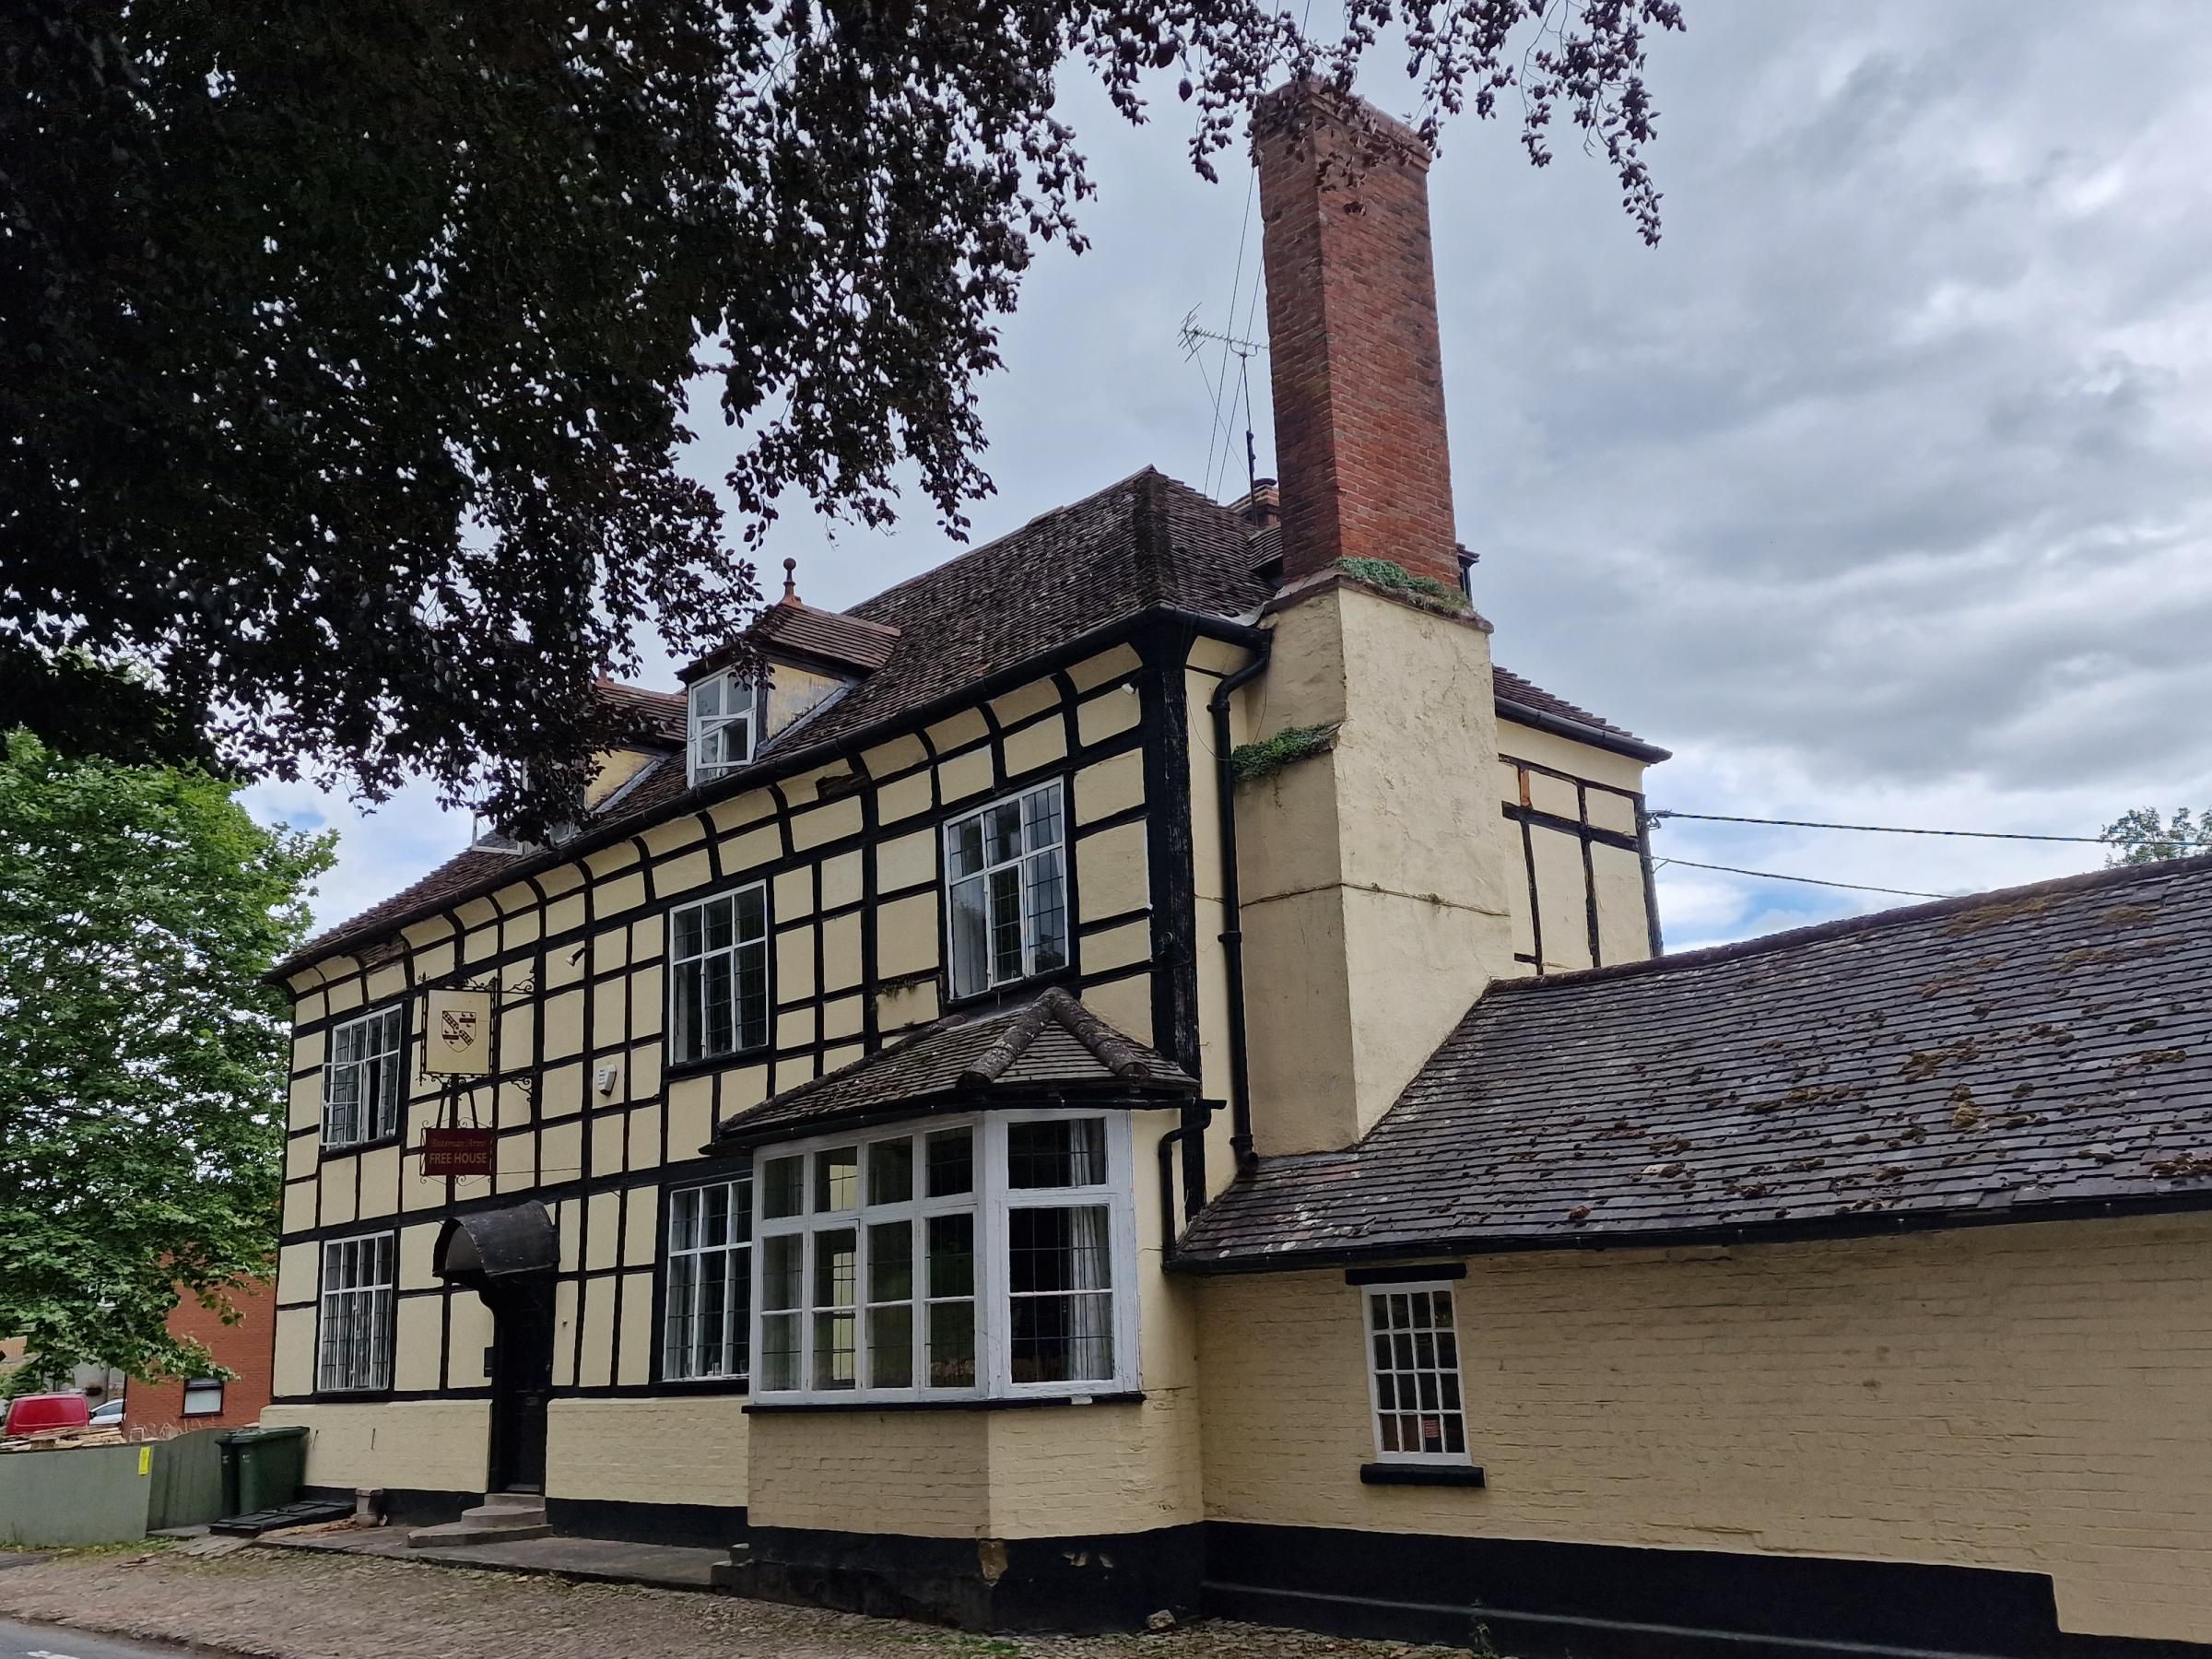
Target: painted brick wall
(684,1450)
(419,1446)
(2037,1398)
(1356,368)
(247,1348)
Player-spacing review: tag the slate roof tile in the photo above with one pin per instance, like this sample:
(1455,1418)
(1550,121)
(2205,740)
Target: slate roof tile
(2041,1047)
(1049,1044)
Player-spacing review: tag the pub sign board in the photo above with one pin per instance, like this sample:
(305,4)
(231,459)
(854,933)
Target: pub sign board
(458,1151)
(457,1034)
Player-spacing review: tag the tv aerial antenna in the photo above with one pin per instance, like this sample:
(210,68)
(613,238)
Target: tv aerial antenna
(1195,340)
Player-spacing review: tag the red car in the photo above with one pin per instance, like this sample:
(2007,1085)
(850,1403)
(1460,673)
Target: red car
(29,1414)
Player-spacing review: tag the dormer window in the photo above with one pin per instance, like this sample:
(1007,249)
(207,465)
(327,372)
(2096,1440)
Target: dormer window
(721,725)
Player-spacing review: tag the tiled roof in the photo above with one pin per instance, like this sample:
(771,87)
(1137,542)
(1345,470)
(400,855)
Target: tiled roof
(1045,1047)
(657,717)
(2007,1054)
(797,626)
(1139,545)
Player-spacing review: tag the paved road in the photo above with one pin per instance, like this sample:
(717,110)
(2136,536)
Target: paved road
(44,1641)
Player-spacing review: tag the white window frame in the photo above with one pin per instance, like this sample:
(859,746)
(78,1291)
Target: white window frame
(1369,1295)
(740,1273)
(366,1296)
(701,730)
(374,1118)
(1019,863)
(990,1200)
(736,950)
(200,1385)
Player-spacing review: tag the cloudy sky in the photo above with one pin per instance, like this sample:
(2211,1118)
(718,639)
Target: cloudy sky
(1879,492)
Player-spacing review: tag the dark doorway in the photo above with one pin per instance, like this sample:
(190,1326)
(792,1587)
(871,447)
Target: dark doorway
(522,1377)
(508,1257)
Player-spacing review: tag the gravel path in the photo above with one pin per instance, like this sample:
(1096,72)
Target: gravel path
(286,1605)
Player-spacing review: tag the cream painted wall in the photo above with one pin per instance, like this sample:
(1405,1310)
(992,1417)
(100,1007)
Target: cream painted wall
(1375,905)
(689,1449)
(2036,1399)
(428,1445)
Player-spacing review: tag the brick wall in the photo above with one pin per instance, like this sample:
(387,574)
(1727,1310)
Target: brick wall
(1358,372)
(246,1347)
(2035,1398)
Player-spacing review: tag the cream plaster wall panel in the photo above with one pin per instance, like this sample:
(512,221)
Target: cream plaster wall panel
(514,1165)
(1108,715)
(966,726)
(687,1450)
(476,912)
(1298,1024)
(1035,746)
(1516,741)
(1112,786)
(1020,703)
(468,1334)
(480,943)
(681,874)
(799,791)
(903,797)
(379,1181)
(1125,1004)
(841,880)
(907,935)
(907,862)
(1610,811)
(1107,665)
(832,820)
(417,1255)
(298,1272)
(417,1339)
(740,810)
(646,937)
(564,966)
(840,952)
(906,1005)
(795,1029)
(302,1154)
(1562,894)
(345,995)
(338,1191)
(595,1363)
(843,1017)
(602,1230)
(308,1050)
(964,775)
(293,1364)
(304,1102)
(560,1152)
(1555,796)
(564,1336)
(561,1091)
(641,1228)
(795,963)
(1213,1044)
(603,862)
(672,835)
(559,879)
(614,896)
(746,1086)
(1117,948)
(795,1071)
(635,1362)
(610,1137)
(610,770)
(896,755)
(1112,872)
(564,916)
(430,1445)
(511,1105)
(645,1138)
(918,1474)
(792,894)
(749,851)
(521,930)
(2032,1398)
(386,983)
(1217,658)
(311,1006)
(1117,1468)
(1624,928)
(837,1059)
(610,1013)
(564,1024)
(568,1228)
(691,1118)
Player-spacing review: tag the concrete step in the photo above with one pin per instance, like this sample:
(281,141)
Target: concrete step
(456,1535)
(502,1503)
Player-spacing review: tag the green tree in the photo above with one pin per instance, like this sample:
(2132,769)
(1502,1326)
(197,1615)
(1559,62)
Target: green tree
(345,349)
(142,1060)
(2141,836)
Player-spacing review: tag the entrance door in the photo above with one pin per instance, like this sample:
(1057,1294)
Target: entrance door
(522,1377)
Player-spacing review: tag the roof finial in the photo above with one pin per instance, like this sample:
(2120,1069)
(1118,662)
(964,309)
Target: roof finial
(791,585)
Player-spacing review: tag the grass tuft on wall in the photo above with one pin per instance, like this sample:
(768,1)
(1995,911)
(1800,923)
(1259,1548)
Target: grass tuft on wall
(1251,761)
(1424,591)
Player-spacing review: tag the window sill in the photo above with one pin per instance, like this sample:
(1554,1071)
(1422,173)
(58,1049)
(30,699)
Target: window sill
(702,1386)
(1132,1396)
(1010,991)
(1430,1474)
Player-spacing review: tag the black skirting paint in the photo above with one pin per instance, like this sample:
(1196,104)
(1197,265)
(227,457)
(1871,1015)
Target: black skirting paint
(1110,1583)
(1548,1601)
(695,1525)
(405,1506)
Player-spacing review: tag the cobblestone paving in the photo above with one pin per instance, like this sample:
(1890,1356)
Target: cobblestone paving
(283,1604)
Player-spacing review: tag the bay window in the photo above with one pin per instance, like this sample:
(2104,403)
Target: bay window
(991,1257)
(1005,874)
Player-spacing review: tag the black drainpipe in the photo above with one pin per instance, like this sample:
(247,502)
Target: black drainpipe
(1232,925)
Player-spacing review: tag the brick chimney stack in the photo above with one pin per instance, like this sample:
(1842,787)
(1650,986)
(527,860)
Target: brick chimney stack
(1358,380)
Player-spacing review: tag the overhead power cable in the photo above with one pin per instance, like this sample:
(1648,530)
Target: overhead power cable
(1855,887)
(2089,841)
